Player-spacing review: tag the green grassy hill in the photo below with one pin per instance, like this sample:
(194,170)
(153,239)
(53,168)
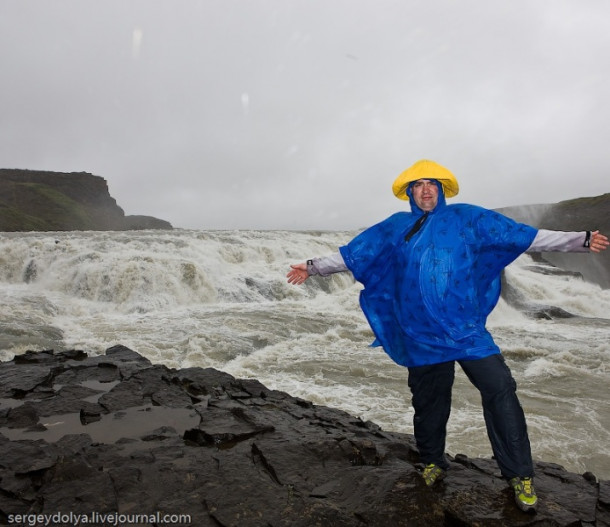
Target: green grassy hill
(53,201)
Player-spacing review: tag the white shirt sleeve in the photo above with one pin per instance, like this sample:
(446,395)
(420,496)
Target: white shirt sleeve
(327,265)
(559,241)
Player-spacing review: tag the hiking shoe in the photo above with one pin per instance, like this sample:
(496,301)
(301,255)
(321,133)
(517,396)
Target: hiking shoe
(432,474)
(525,495)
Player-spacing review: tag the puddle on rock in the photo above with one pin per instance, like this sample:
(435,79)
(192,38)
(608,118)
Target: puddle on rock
(131,423)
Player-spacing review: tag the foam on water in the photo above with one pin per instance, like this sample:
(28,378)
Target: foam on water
(566,291)
(150,271)
(220,299)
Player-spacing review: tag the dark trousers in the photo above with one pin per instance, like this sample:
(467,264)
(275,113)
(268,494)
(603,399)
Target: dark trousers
(431,388)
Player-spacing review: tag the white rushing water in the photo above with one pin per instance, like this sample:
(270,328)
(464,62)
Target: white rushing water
(220,299)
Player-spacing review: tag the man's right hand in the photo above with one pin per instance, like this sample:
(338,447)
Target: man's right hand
(298,274)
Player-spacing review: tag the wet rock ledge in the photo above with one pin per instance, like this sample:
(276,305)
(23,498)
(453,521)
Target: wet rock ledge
(115,433)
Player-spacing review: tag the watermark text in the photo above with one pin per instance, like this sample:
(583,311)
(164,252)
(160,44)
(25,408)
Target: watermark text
(98,518)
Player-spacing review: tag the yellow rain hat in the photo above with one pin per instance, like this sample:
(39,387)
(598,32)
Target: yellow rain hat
(425,169)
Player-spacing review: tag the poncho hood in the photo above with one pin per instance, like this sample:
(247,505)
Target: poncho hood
(439,204)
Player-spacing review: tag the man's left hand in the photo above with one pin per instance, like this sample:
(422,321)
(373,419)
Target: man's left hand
(599,242)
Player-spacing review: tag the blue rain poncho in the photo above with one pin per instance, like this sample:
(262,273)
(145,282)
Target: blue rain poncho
(427,300)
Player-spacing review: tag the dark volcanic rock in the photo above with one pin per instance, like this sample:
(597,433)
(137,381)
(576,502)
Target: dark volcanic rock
(32,200)
(117,434)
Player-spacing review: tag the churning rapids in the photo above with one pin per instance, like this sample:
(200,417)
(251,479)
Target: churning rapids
(220,299)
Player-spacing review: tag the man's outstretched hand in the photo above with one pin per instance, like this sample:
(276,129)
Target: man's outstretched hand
(298,273)
(599,242)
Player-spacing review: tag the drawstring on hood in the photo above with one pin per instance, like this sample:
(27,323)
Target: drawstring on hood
(416,226)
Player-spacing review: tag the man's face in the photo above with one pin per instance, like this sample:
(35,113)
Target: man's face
(425,194)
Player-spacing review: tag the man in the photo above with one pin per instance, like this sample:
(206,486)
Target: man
(431,277)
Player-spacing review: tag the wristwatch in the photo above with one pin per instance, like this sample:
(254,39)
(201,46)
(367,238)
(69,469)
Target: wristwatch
(587,240)
(310,269)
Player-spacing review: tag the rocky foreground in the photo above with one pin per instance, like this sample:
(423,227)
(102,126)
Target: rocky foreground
(117,434)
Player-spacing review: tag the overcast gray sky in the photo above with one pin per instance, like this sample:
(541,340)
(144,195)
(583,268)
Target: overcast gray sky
(299,114)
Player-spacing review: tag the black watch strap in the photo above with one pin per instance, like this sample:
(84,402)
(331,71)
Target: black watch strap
(587,240)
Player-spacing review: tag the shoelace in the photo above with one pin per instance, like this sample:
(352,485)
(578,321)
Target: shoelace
(527,486)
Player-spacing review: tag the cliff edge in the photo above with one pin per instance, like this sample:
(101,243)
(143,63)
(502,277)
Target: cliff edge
(116,435)
(32,200)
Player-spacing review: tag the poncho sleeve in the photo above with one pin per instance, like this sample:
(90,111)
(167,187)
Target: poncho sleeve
(501,237)
(366,255)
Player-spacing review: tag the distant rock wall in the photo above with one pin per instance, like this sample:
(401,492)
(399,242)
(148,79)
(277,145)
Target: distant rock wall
(590,213)
(581,214)
(32,200)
